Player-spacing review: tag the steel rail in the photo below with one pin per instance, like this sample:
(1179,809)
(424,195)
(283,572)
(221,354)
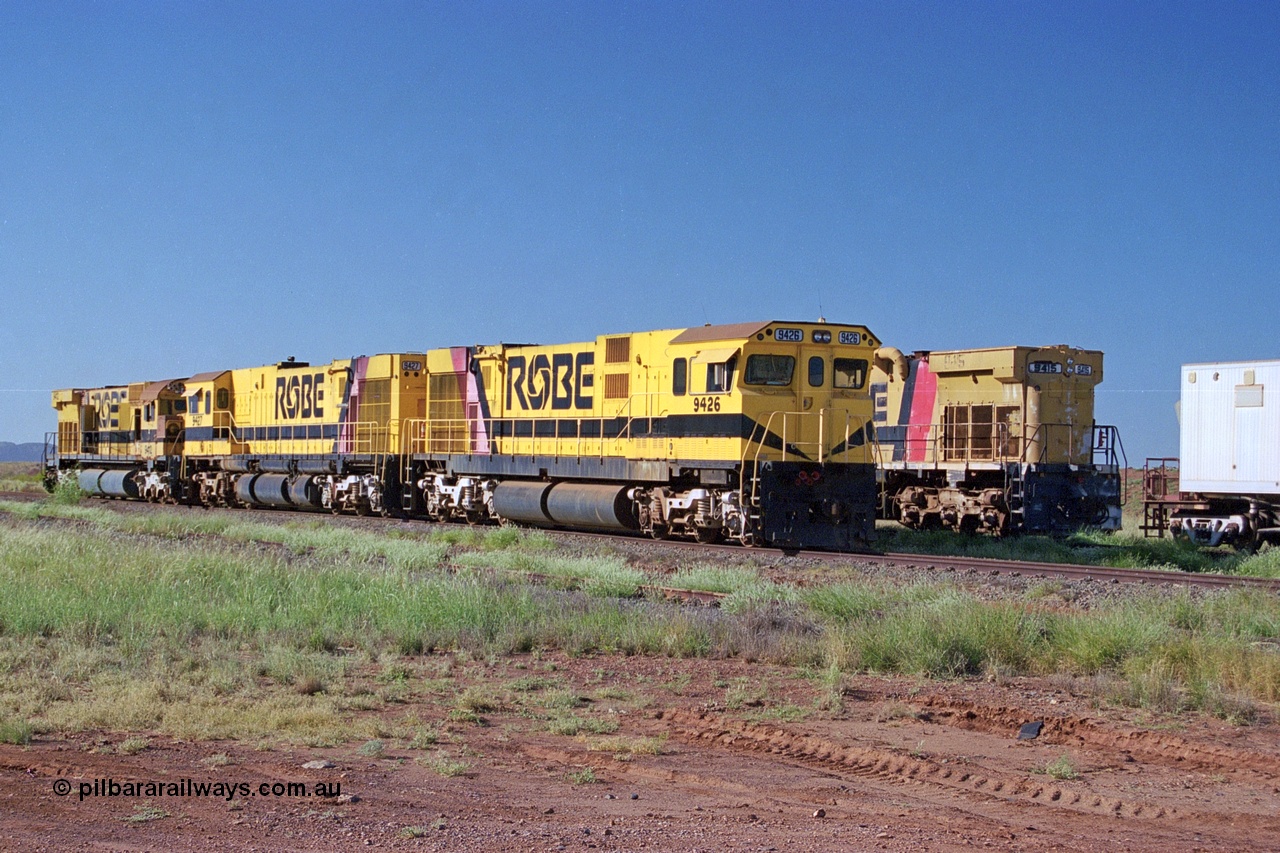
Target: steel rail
(1013,568)
(931,562)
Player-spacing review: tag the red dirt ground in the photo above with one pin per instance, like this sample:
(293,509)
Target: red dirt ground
(901,766)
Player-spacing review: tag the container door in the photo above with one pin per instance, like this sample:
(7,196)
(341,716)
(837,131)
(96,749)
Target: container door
(1248,443)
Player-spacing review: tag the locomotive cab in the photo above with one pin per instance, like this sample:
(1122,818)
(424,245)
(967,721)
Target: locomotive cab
(804,407)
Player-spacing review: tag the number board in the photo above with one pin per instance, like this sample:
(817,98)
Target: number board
(790,336)
(853,338)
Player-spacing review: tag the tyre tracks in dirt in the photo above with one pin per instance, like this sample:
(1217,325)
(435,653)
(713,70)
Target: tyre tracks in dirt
(981,782)
(1148,746)
(885,765)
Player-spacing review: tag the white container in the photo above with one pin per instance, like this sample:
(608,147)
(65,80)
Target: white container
(1230,415)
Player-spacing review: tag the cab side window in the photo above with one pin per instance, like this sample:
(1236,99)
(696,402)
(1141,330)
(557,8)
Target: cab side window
(679,377)
(849,372)
(817,371)
(720,376)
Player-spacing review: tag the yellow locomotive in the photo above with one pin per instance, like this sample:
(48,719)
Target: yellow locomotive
(286,435)
(999,440)
(754,432)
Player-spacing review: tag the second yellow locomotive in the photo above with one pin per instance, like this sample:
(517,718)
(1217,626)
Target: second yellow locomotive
(998,440)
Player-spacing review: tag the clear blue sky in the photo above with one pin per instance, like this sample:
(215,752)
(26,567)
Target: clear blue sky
(198,185)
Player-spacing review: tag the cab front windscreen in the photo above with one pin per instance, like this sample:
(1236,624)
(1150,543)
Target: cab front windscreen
(764,369)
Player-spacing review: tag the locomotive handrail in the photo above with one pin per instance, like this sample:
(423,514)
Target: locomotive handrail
(943,442)
(1161,478)
(368,438)
(1106,443)
(823,454)
(502,434)
(106,444)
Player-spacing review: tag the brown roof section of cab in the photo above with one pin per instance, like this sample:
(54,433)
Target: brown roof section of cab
(207,377)
(155,389)
(731,331)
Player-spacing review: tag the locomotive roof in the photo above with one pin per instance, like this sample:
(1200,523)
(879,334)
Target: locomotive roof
(155,389)
(732,331)
(207,377)
(924,353)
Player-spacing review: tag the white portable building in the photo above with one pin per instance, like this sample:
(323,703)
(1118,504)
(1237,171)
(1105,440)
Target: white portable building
(1230,415)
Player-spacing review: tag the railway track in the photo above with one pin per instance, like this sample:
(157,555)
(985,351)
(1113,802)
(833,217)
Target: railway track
(1076,572)
(922,562)
(985,565)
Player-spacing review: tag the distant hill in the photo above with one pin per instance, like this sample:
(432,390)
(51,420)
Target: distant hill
(28,452)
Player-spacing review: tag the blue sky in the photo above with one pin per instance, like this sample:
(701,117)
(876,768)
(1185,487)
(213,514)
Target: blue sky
(198,185)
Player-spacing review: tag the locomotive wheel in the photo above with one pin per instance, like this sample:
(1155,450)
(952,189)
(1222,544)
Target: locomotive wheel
(660,532)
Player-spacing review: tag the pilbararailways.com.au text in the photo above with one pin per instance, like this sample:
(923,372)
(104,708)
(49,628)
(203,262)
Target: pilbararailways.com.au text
(193,788)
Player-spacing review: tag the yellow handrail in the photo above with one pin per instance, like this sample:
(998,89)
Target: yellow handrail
(944,443)
(822,446)
(504,435)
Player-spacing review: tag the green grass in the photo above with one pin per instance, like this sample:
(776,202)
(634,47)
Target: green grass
(744,588)
(372,748)
(67,492)
(1264,564)
(604,576)
(1061,768)
(1212,651)
(585,776)
(133,745)
(203,626)
(146,814)
(21,477)
(1090,548)
(172,632)
(442,765)
(15,733)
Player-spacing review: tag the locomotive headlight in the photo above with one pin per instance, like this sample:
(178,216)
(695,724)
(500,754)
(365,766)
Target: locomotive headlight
(821,336)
